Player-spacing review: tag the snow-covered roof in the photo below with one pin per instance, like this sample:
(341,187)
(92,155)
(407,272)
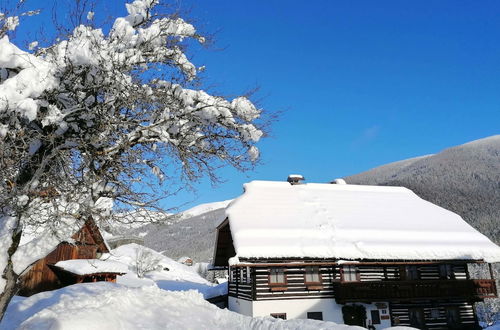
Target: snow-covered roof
(279,220)
(92,266)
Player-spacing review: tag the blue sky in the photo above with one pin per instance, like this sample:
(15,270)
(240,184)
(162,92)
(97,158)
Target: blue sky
(359,83)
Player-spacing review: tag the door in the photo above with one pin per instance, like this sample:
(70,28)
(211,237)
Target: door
(354,315)
(417,318)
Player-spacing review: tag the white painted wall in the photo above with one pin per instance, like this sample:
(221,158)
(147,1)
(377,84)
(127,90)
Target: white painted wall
(298,308)
(383,323)
(240,306)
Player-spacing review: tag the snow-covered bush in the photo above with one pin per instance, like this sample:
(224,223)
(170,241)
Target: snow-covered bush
(145,261)
(102,116)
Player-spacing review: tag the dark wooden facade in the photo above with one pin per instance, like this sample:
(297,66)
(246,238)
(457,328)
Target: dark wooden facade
(423,294)
(88,244)
(438,293)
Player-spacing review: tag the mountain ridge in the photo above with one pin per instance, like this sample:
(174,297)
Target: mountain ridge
(464,179)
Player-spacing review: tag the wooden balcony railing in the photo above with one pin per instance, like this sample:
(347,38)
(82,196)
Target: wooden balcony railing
(404,290)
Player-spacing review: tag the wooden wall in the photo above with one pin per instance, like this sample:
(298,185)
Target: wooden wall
(400,312)
(40,277)
(255,286)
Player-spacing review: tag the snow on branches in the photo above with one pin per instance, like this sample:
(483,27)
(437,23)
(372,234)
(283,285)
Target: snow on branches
(98,114)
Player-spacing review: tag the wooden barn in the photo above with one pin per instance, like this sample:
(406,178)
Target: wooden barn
(45,276)
(360,255)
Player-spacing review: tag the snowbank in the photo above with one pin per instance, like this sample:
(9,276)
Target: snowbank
(113,306)
(167,274)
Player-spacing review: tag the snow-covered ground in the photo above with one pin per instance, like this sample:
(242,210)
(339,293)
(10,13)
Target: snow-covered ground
(170,297)
(110,306)
(168,274)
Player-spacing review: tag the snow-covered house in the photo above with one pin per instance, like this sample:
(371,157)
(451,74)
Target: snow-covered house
(362,255)
(63,266)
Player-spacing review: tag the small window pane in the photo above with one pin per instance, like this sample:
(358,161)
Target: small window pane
(312,275)
(315,315)
(411,272)
(277,276)
(452,316)
(435,313)
(445,271)
(350,274)
(279,315)
(249,278)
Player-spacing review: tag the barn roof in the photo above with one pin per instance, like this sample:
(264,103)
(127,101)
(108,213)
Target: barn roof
(279,220)
(92,266)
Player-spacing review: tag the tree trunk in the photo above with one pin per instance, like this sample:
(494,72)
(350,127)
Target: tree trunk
(11,286)
(10,290)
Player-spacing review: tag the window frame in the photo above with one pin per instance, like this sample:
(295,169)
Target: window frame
(316,285)
(249,278)
(278,315)
(446,272)
(356,271)
(277,286)
(434,313)
(419,314)
(452,310)
(411,272)
(315,318)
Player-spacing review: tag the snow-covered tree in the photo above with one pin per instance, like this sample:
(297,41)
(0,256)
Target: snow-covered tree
(94,117)
(145,261)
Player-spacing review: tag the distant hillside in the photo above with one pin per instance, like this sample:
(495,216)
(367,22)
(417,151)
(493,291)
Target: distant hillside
(464,179)
(193,235)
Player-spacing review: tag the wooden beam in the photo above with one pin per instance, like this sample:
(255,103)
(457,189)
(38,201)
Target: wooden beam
(354,263)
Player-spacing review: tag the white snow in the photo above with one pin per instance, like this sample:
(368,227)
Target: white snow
(276,219)
(92,266)
(204,208)
(493,327)
(112,306)
(167,275)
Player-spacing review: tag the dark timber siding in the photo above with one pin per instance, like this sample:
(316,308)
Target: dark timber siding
(400,311)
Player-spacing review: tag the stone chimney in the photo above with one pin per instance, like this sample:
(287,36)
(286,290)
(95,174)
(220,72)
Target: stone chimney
(294,179)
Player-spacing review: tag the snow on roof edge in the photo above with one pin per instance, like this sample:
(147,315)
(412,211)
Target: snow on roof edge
(253,237)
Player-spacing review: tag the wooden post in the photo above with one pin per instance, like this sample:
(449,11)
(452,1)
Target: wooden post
(254,284)
(237,271)
(492,274)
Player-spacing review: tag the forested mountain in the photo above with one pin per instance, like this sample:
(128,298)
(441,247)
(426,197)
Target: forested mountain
(464,179)
(193,235)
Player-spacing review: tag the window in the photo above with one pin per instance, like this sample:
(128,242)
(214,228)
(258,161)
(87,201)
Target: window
(315,315)
(312,275)
(249,278)
(242,275)
(434,313)
(279,315)
(416,316)
(411,272)
(375,316)
(350,274)
(277,279)
(231,276)
(452,316)
(445,272)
